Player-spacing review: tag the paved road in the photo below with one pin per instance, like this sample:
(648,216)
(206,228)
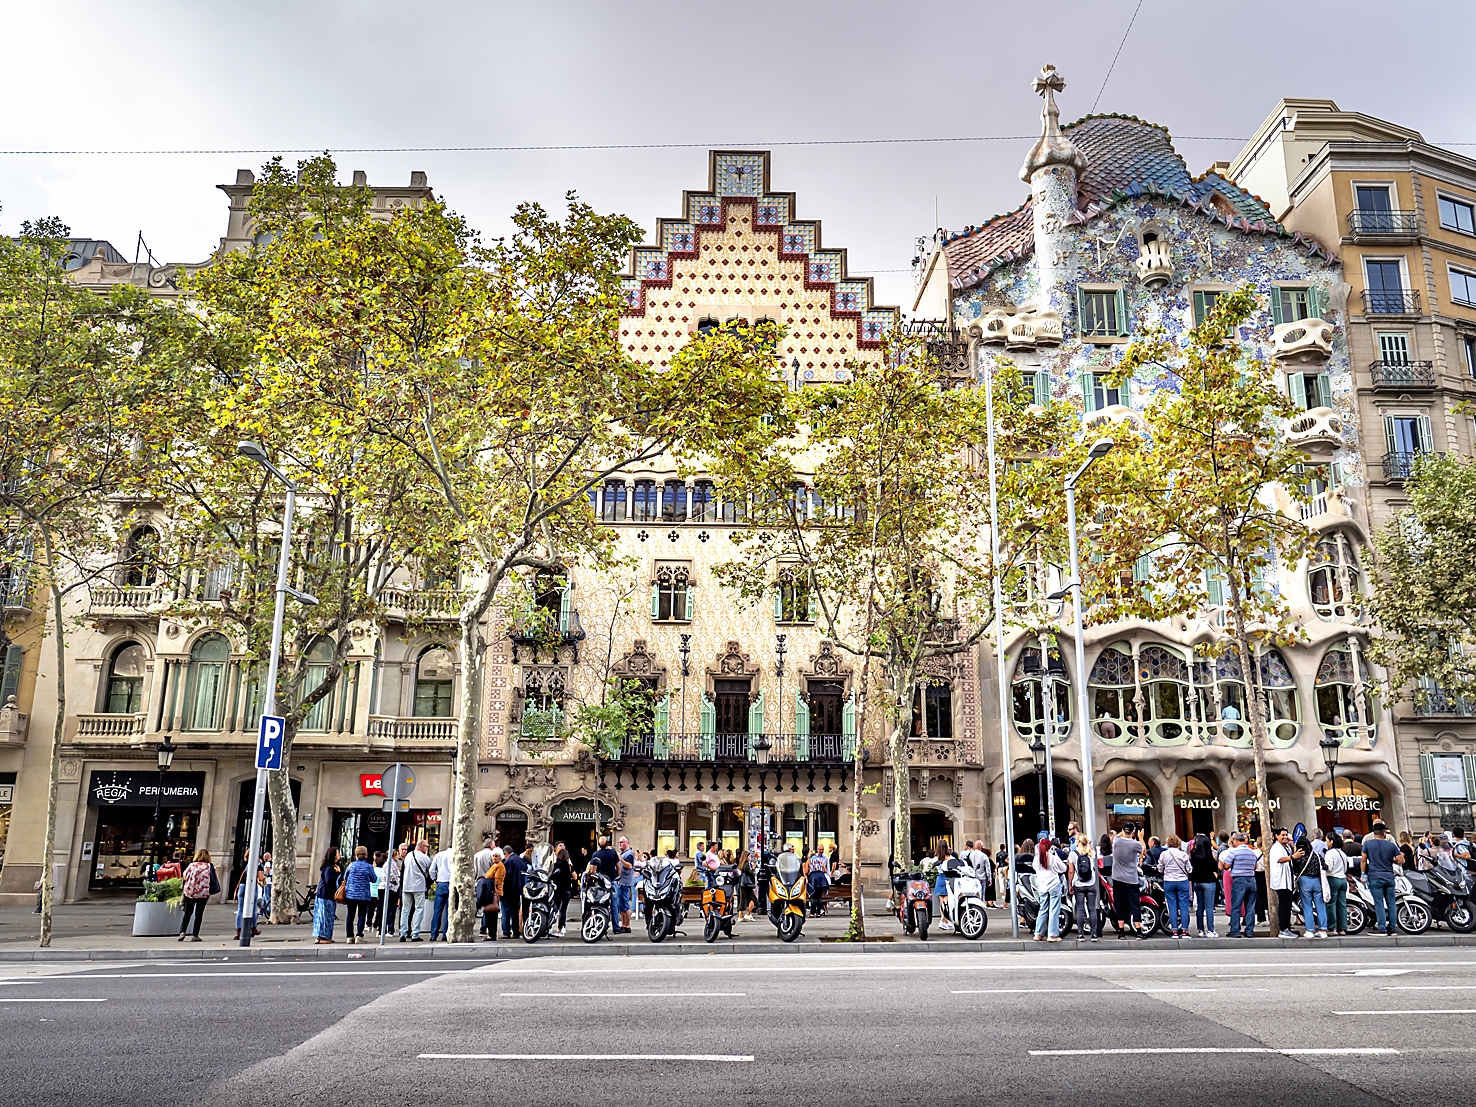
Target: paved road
(1137,1025)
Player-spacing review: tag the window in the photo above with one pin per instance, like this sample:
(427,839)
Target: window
(1028,690)
(1457,215)
(543,702)
(1408,435)
(1343,714)
(1309,390)
(673,501)
(140,553)
(1463,286)
(1220,692)
(125,680)
(1333,582)
(643,503)
(1204,301)
(1098,394)
(732,511)
(1385,293)
(1291,305)
(1110,692)
(1468,352)
(792,601)
(1038,387)
(1375,211)
(932,711)
(671,594)
(205,682)
(612,509)
(704,505)
(1103,312)
(433,678)
(1394,347)
(319,658)
(10,672)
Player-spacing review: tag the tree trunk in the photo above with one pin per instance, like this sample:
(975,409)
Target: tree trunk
(284,836)
(48,893)
(463,896)
(901,800)
(1256,716)
(856,931)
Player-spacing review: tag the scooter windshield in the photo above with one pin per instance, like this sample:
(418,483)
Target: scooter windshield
(787,865)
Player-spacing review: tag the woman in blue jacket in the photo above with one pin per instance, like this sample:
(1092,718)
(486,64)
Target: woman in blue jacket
(358,894)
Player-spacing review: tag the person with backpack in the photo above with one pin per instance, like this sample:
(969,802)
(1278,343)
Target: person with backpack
(1308,864)
(1081,869)
(200,883)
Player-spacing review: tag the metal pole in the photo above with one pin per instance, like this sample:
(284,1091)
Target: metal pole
(1048,686)
(999,657)
(158,796)
(1088,798)
(394,811)
(269,706)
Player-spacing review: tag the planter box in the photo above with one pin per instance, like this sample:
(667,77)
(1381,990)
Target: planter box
(156,920)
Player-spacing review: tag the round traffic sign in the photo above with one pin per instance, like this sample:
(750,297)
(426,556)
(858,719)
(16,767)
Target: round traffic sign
(401,775)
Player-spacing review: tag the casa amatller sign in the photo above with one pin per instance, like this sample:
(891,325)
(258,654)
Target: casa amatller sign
(115,789)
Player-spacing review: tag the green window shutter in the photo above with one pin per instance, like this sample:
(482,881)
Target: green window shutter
(801,714)
(1427,439)
(1042,387)
(1277,316)
(755,722)
(1081,312)
(848,726)
(691,602)
(778,604)
(1198,308)
(812,608)
(1089,392)
(1143,567)
(1427,776)
(1215,587)
(1122,311)
(661,723)
(1296,388)
(564,610)
(1314,303)
(1468,762)
(1324,390)
(655,601)
(707,727)
(1389,440)
(10,675)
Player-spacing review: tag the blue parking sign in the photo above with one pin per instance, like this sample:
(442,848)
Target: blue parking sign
(269,742)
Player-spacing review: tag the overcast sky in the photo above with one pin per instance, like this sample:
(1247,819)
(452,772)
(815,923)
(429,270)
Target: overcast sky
(268,74)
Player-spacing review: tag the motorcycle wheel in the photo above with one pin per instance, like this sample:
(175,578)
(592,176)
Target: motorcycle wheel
(656,926)
(1152,920)
(1414,917)
(790,927)
(1068,920)
(533,928)
(595,925)
(1460,918)
(728,926)
(1357,920)
(973,922)
(923,918)
(710,928)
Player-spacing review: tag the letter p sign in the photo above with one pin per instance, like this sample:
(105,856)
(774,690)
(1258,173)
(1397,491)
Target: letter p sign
(269,742)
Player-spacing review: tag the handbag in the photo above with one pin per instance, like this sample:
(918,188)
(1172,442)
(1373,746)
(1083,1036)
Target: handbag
(214,882)
(340,895)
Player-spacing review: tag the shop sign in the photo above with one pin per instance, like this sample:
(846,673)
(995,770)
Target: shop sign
(1450,778)
(512,816)
(112,789)
(377,822)
(371,784)
(1353,803)
(1252,804)
(580,811)
(7,793)
(1199,803)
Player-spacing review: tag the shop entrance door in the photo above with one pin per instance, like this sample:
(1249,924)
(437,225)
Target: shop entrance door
(578,839)
(928,829)
(241,842)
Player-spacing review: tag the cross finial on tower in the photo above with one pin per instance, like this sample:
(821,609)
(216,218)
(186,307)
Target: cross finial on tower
(1052,148)
(1048,82)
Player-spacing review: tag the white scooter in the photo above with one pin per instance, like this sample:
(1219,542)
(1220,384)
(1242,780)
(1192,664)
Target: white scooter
(963,904)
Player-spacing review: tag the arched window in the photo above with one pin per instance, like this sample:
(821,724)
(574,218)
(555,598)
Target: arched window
(205,682)
(1165,679)
(1344,715)
(140,558)
(1220,690)
(433,678)
(1129,800)
(1110,690)
(126,679)
(932,709)
(1334,580)
(1195,804)
(1029,696)
(319,658)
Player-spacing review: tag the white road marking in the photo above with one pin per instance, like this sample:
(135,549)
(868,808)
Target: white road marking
(1437,1011)
(30,999)
(256,975)
(585,1057)
(1074,991)
(871,963)
(1429,988)
(621,995)
(1212,1049)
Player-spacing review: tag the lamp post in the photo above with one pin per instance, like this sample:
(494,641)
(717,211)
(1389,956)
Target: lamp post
(794,368)
(256,453)
(685,650)
(1331,749)
(779,668)
(761,758)
(1100,449)
(1038,755)
(166,758)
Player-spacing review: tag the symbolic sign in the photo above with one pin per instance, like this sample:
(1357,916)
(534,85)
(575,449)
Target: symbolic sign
(269,741)
(1450,778)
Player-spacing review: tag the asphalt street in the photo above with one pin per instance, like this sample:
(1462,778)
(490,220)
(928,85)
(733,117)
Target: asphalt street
(1216,1024)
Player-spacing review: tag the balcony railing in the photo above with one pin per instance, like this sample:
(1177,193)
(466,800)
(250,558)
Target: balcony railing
(126,599)
(1314,507)
(1402,374)
(542,628)
(412,730)
(1402,466)
(1383,224)
(111,725)
(431,604)
(736,749)
(1390,301)
(1437,701)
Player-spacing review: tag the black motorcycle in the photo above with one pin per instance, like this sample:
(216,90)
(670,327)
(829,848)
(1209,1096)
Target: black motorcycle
(661,889)
(599,890)
(1449,892)
(538,904)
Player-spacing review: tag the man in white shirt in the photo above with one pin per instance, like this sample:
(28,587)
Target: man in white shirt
(1279,877)
(440,913)
(418,876)
(480,864)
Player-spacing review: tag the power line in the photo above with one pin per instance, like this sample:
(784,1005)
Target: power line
(1117,55)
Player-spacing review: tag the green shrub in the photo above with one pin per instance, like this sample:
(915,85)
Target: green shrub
(169,891)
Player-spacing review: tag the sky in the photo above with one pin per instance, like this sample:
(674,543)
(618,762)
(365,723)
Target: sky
(317,74)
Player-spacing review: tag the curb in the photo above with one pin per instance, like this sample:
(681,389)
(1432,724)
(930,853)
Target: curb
(501,951)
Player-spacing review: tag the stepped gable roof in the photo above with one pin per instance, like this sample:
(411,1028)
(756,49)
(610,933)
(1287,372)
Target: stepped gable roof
(1127,158)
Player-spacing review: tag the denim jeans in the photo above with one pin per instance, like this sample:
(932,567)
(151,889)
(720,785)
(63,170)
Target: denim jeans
(625,895)
(1337,906)
(511,923)
(1386,906)
(355,917)
(1313,905)
(439,912)
(1176,892)
(1049,918)
(1204,907)
(1243,893)
(1087,919)
(412,913)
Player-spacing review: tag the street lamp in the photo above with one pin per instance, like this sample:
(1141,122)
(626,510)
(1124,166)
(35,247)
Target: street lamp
(794,367)
(761,750)
(166,758)
(1331,749)
(255,452)
(1038,755)
(1100,449)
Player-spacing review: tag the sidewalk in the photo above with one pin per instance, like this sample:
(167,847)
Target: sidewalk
(102,932)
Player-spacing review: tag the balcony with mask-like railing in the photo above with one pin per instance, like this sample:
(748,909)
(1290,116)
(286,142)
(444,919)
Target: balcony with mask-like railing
(1402,376)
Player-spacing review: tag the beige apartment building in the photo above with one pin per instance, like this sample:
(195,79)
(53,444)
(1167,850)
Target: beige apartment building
(1401,215)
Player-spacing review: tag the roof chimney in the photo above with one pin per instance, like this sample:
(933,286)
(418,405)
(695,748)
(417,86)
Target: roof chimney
(361,179)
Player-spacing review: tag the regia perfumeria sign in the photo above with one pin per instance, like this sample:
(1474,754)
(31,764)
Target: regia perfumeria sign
(143,789)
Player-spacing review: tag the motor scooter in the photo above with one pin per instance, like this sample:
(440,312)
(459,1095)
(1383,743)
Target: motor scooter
(538,903)
(598,892)
(963,905)
(661,891)
(912,899)
(1447,887)
(1415,911)
(1028,905)
(719,900)
(786,896)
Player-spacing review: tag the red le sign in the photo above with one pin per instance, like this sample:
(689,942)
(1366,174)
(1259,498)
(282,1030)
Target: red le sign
(371,784)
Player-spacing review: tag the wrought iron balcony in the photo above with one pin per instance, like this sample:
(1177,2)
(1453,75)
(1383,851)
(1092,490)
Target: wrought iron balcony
(1437,701)
(799,763)
(1402,374)
(736,749)
(1383,224)
(1402,466)
(1390,301)
(540,628)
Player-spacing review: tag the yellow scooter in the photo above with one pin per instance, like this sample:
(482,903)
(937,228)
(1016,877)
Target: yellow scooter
(787,897)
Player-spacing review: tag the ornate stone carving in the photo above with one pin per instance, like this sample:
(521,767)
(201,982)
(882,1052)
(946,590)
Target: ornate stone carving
(1155,265)
(640,662)
(1303,342)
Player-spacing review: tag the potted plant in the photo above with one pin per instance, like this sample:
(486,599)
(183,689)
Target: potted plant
(156,914)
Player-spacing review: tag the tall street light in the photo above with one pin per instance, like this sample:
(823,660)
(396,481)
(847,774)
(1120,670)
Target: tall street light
(1038,756)
(761,758)
(166,758)
(1100,449)
(257,454)
(1331,748)
(779,669)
